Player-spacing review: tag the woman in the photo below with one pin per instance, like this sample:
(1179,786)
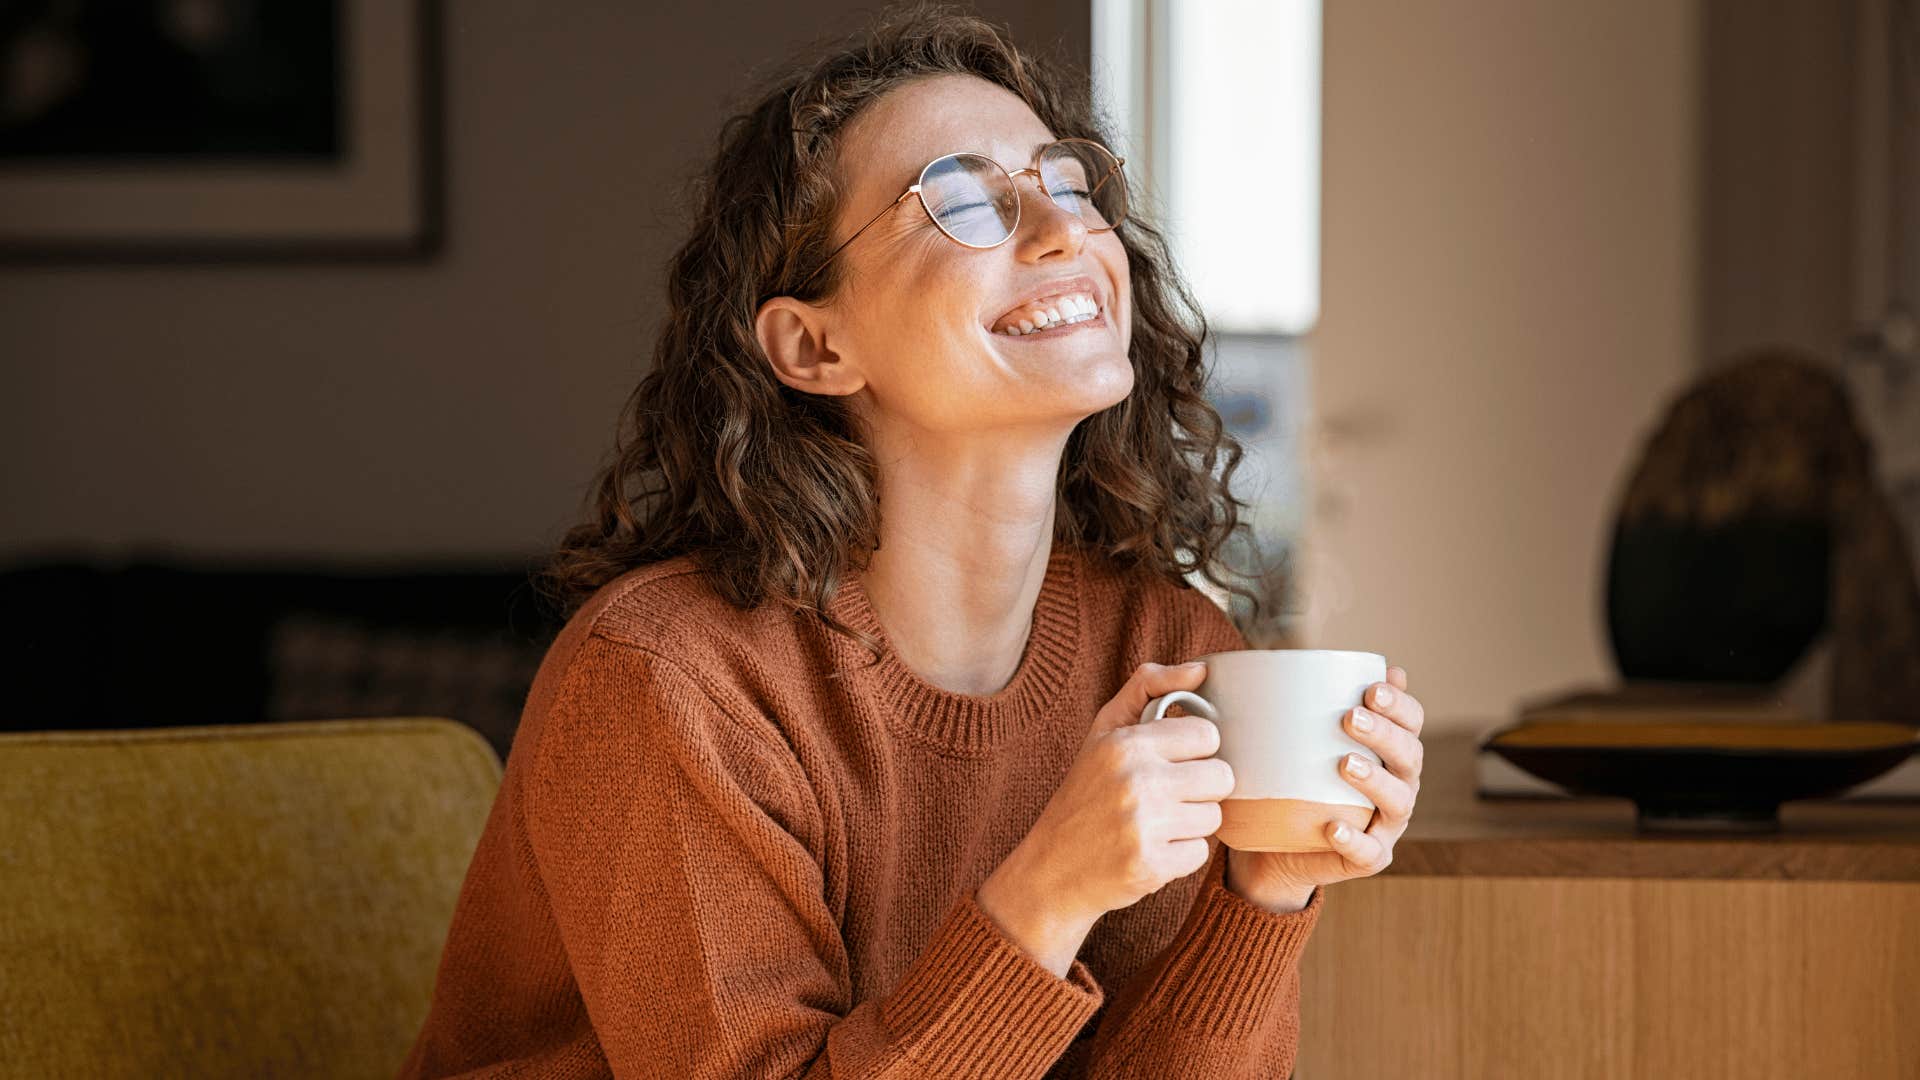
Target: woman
(900,821)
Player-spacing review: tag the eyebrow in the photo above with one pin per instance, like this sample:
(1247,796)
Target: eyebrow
(1026,161)
(1032,152)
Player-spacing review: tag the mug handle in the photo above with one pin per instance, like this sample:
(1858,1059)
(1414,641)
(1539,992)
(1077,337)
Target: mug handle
(1157,708)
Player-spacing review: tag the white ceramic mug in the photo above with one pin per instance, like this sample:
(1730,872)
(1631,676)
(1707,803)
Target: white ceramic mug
(1280,715)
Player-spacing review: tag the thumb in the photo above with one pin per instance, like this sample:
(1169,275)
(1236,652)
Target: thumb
(1149,681)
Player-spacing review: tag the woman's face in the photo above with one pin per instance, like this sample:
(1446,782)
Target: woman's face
(916,322)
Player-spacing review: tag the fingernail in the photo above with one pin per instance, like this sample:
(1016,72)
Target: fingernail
(1358,766)
(1383,697)
(1341,832)
(1194,664)
(1362,720)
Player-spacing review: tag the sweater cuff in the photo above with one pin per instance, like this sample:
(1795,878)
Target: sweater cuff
(1231,960)
(974,996)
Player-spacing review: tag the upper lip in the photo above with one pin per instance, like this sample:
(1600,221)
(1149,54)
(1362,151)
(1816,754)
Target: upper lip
(1079,283)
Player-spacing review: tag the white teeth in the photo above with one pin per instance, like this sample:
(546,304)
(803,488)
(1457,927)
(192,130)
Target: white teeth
(1064,311)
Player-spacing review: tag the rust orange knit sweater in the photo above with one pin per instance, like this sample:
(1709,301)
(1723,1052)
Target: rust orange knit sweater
(707,859)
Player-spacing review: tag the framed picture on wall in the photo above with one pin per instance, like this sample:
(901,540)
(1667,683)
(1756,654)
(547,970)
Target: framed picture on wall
(135,130)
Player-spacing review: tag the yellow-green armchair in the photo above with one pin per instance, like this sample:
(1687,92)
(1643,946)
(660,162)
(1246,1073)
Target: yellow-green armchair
(254,900)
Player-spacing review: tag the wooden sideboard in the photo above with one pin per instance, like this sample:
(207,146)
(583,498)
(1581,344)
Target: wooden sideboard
(1538,938)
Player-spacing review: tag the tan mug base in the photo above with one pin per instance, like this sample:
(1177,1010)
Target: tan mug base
(1284,824)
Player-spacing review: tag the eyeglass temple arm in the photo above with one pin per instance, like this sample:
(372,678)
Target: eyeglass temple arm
(856,235)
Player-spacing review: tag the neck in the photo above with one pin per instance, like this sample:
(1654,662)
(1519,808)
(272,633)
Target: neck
(965,536)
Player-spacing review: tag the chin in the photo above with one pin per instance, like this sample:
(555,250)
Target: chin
(1099,387)
(1085,370)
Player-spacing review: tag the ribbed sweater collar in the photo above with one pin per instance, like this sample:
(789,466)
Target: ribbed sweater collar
(969,724)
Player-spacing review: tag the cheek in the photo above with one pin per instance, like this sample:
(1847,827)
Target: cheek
(1113,255)
(939,308)
(919,333)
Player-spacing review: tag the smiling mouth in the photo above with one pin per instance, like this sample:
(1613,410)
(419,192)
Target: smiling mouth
(1061,329)
(1050,314)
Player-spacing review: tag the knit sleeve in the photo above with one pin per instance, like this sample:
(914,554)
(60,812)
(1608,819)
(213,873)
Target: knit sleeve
(1223,998)
(677,841)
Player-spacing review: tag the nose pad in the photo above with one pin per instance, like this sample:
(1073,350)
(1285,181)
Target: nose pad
(1046,207)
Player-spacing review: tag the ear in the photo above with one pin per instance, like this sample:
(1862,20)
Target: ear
(793,335)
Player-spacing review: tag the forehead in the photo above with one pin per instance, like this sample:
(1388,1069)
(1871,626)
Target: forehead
(888,144)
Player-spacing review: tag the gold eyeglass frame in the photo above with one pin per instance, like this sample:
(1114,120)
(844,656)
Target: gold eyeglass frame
(1018,203)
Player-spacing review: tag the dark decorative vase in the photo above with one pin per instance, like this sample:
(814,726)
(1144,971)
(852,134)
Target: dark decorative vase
(1736,602)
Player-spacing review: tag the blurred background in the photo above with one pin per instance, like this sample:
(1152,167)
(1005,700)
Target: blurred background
(1572,343)
(317,317)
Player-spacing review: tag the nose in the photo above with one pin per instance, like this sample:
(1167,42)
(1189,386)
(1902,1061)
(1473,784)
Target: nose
(1046,227)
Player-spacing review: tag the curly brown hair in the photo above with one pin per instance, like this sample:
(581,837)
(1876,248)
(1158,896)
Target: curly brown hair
(770,489)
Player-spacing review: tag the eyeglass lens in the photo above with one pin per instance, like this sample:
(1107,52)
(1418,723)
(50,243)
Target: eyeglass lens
(971,197)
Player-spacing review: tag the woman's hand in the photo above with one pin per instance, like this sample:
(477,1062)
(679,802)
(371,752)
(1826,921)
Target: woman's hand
(1132,814)
(1284,880)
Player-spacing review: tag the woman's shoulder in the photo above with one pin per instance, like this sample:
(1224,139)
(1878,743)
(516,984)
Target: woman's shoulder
(663,628)
(672,605)
(656,657)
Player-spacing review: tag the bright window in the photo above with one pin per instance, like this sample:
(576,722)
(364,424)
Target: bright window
(1218,102)
(1217,109)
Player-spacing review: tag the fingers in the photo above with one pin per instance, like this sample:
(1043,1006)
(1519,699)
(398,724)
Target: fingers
(1390,794)
(1195,820)
(1364,852)
(1189,855)
(1179,738)
(1396,704)
(1400,750)
(1147,682)
(1397,676)
(1200,781)
(1150,681)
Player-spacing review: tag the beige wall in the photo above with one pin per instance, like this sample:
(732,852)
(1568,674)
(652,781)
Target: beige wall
(1778,176)
(452,408)
(1508,300)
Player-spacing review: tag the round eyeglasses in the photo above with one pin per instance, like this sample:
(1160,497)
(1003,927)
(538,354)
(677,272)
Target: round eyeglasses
(971,197)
